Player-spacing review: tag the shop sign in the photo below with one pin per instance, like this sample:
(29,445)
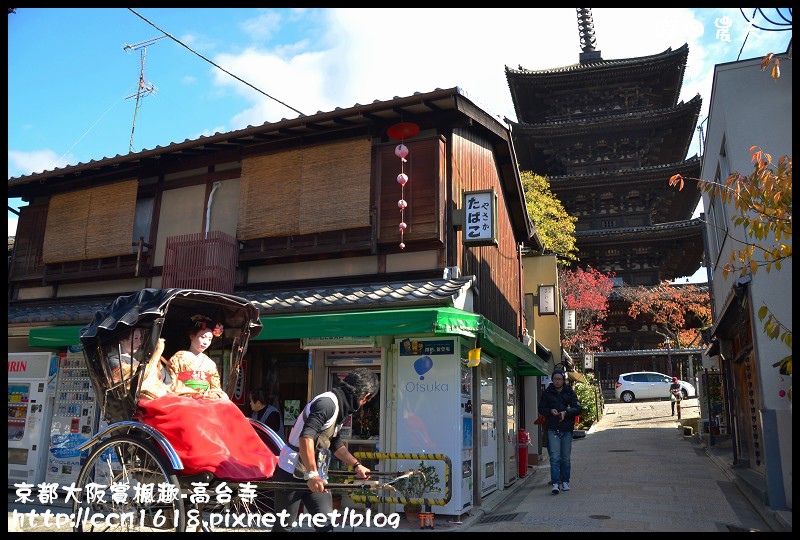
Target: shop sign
(337,342)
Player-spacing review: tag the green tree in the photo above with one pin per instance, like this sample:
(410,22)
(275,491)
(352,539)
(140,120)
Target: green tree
(555,226)
(763,200)
(591,399)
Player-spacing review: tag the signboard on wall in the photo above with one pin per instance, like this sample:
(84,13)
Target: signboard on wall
(480,218)
(337,342)
(570,320)
(588,360)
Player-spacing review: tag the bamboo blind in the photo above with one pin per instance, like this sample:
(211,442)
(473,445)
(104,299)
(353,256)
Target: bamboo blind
(310,190)
(90,223)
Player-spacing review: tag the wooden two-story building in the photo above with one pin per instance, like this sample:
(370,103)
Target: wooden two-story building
(350,264)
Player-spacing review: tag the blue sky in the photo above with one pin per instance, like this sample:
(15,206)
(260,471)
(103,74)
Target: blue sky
(72,85)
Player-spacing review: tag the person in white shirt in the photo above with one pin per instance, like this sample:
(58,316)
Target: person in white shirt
(314,437)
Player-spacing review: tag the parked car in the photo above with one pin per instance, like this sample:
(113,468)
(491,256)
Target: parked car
(648,385)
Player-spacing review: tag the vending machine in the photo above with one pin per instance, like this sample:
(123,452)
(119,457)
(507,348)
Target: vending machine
(75,418)
(31,388)
(435,412)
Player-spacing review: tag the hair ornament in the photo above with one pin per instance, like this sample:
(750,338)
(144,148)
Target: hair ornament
(202,323)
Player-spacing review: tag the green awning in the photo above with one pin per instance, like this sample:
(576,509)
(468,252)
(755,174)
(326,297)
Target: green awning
(54,336)
(438,321)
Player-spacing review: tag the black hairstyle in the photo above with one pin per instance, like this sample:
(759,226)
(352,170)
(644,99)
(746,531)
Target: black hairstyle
(200,323)
(360,382)
(259,394)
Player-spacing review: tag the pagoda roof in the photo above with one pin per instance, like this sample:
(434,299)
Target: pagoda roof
(668,56)
(591,124)
(636,233)
(531,88)
(684,237)
(654,180)
(670,130)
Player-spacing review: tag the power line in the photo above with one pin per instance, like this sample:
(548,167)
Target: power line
(85,133)
(777,25)
(179,42)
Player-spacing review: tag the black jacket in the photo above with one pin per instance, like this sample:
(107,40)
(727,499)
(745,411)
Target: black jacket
(566,400)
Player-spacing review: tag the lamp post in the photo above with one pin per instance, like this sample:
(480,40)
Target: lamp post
(669,349)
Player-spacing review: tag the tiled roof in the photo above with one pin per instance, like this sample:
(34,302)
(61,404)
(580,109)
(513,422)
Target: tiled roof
(442,292)
(417,106)
(669,54)
(382,295)
(565,126)
(58,312)
(688,224)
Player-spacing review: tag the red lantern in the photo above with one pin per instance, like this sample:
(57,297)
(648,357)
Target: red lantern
(401,131)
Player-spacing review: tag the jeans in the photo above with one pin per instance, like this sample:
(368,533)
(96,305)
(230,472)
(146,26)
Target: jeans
(559,448)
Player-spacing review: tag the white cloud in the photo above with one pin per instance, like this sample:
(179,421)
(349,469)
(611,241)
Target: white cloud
(364,55)
(22,163)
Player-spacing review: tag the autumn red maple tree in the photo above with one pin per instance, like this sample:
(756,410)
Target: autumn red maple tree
(587,292)
(679,310)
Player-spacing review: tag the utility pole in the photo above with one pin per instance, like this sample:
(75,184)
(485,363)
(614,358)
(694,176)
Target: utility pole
(143,89)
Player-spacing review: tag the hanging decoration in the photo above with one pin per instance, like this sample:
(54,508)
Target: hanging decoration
(401,131)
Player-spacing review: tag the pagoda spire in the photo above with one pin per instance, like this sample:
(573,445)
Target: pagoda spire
(586,34)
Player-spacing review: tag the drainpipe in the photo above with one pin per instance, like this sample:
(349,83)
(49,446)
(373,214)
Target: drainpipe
(214,188)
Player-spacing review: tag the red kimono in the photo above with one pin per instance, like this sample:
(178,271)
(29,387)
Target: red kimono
(209,435)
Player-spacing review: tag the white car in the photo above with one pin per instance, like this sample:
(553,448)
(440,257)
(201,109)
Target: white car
(648,385)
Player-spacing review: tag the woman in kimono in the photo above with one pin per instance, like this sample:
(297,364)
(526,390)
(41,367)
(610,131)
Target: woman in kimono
(207,430)
(193,372)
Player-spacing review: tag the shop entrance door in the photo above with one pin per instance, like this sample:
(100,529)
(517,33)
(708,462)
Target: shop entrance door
(361,431)
(488,469)
(510,427)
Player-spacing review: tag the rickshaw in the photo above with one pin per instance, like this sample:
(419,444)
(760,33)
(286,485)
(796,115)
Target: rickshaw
(133,479)
(130,465)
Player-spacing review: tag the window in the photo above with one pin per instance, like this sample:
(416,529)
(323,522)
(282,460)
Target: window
(717,216)
(143,220)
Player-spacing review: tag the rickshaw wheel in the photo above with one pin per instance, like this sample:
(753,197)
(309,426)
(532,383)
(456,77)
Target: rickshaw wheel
(140,476)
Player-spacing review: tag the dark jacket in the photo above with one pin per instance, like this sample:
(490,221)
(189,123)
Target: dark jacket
(566,400)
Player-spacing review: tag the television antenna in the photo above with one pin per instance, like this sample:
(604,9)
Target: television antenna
(144,88)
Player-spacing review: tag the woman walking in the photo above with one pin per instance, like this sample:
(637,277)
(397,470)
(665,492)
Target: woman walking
(559,405)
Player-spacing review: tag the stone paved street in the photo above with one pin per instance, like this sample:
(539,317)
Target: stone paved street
(635,471)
